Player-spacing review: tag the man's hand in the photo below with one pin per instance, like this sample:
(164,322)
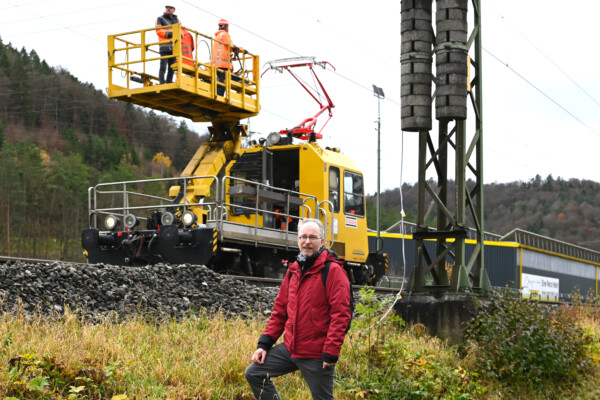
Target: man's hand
(326,364)
(259,356)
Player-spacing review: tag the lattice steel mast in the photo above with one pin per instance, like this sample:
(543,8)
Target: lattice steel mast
(457,95)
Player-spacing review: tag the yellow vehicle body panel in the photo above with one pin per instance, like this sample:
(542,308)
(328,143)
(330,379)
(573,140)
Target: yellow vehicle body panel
(346,232)
(349,230)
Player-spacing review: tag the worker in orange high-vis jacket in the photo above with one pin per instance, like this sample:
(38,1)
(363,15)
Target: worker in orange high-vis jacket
(165,47)
(187,47)
(221,54)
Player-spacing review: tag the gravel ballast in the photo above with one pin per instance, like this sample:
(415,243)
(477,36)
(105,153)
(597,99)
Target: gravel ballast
(101,291)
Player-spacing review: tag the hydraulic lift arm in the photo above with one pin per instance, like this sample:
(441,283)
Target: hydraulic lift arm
(224,143)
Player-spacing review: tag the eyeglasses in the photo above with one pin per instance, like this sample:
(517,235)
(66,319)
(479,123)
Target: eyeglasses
(311,237)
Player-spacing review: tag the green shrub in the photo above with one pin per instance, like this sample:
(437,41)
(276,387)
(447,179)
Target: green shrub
(35,377)
(384,361)
(526,342)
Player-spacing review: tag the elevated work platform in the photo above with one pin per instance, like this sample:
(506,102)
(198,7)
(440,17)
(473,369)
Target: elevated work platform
(134,61)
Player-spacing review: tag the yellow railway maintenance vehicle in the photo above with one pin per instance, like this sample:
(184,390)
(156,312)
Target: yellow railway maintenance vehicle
(235,207)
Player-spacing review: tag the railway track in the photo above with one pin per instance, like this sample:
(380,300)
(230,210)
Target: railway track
(4,259)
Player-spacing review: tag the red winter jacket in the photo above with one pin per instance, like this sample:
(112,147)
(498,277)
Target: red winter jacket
(314,318)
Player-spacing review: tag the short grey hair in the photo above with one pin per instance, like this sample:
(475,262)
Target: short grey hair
(316,221)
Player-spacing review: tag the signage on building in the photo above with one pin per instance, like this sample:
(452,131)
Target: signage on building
(540,287)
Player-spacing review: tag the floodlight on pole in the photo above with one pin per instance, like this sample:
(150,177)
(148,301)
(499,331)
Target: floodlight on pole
(378,92)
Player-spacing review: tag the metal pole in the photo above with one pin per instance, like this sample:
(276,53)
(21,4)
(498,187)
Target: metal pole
(378,92)
(378,173)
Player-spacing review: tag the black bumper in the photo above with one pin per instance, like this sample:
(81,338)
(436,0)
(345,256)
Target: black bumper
(167,245)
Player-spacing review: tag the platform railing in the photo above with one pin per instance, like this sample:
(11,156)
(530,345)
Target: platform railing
(140,198)
(233,188)
(133,65)
(551,245)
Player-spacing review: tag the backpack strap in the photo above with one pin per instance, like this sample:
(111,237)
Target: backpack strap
(325,272)
(290,274)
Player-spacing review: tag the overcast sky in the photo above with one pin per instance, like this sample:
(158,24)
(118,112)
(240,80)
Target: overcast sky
(540,74)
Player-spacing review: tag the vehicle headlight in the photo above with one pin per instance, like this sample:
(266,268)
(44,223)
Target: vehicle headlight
(131,221)
(188,218)
(167,219)
(112,222)
(273,138)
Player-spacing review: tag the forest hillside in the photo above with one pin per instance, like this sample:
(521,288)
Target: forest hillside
(566,210)
(59,136)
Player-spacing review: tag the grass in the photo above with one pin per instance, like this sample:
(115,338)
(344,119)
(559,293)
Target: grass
(204,357)
(199,357)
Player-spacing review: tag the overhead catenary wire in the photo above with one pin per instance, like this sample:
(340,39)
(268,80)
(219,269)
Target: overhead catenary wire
(64,20)
(541,92)
(74,29)
(60,25)
(368,88)
(362,86)
(550,60)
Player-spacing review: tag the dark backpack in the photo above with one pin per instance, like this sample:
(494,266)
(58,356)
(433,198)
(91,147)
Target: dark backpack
(325,272)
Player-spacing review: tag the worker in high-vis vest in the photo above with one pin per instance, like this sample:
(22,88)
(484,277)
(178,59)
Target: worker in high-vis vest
(221,54)
(187,47)
(165,36)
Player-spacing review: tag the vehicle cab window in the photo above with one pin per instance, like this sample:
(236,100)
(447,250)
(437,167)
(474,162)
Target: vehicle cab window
(334,188)
(353,194)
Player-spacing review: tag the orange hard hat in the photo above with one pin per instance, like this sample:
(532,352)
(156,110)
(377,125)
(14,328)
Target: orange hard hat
(223,22)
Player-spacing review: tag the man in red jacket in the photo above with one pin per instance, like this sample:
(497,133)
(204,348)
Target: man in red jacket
(314,317)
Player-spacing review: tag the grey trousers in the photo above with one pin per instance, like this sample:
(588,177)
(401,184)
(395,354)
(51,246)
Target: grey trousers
(279,362)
